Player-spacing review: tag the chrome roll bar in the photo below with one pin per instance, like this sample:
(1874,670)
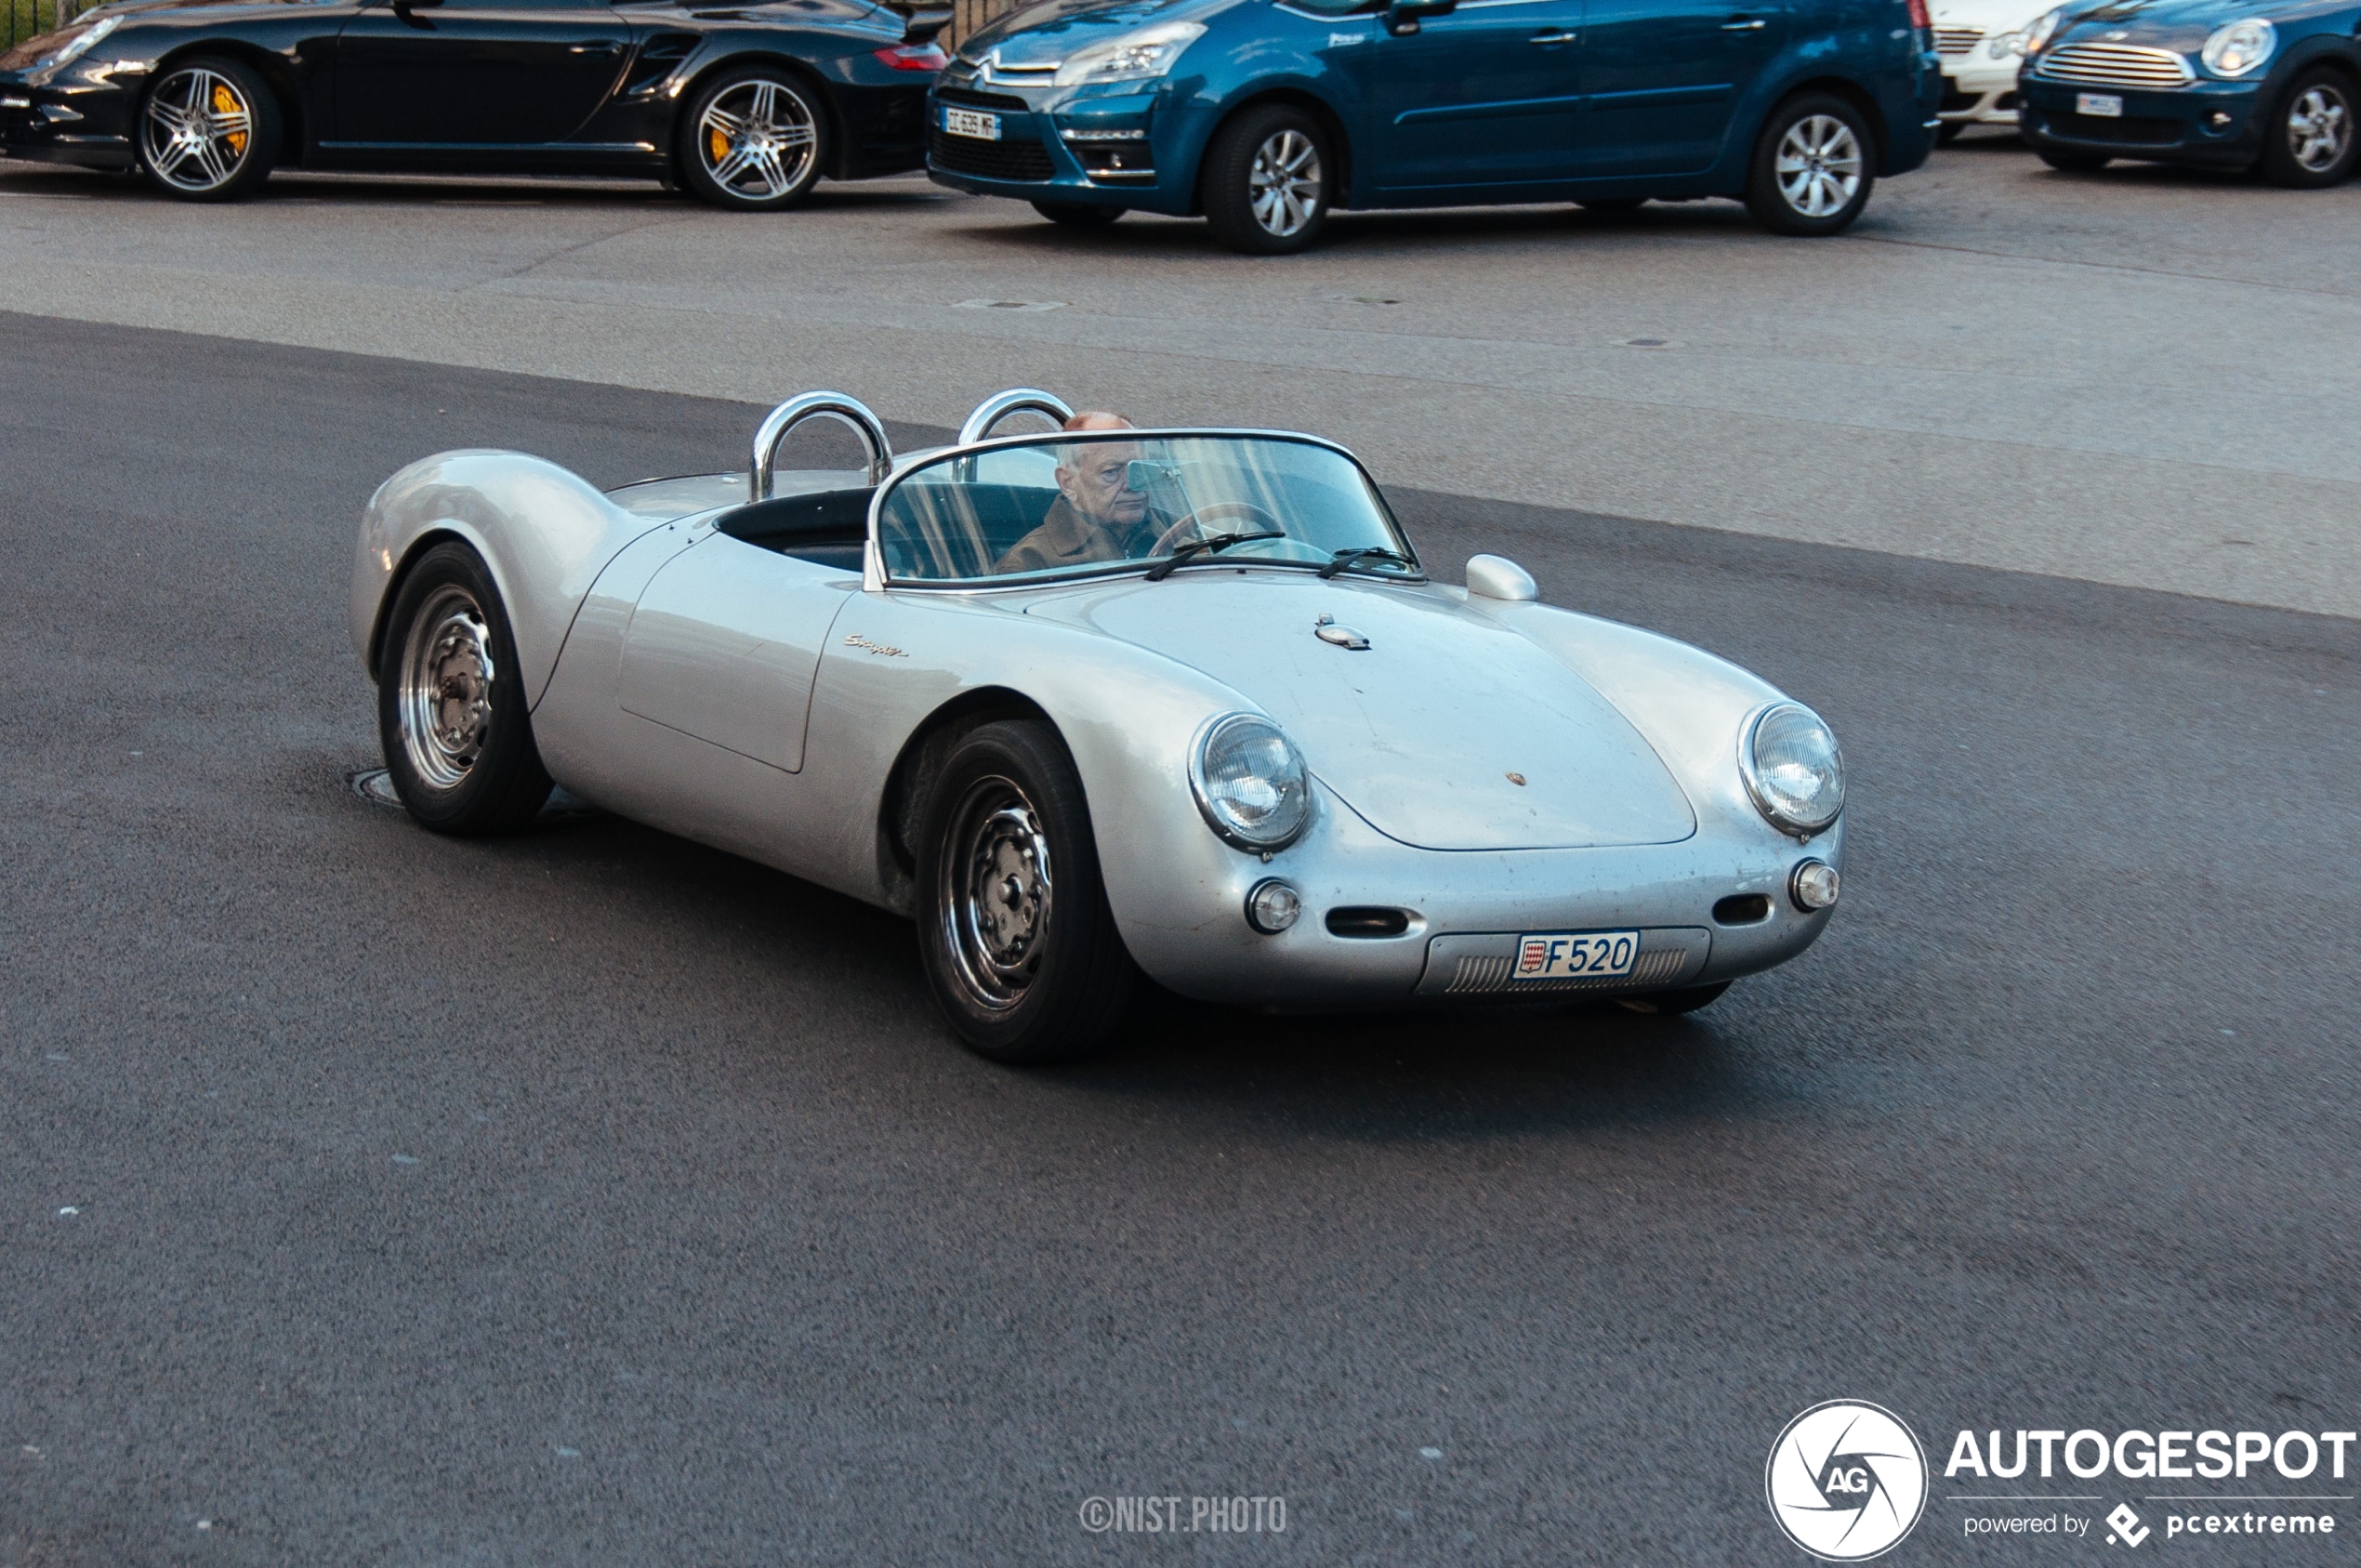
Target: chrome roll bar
(1016,400)
(851,413)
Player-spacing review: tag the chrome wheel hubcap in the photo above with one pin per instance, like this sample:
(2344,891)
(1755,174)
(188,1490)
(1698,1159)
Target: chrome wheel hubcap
(197,130)
(1283,184)
(2319,127)
(996,892)
(445,698)
(757,140)
(1818,166)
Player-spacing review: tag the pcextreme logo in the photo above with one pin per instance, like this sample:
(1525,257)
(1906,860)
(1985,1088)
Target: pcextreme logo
(1846,1480)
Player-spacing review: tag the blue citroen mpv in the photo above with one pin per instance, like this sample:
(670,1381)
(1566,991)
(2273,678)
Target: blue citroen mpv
(1264,114)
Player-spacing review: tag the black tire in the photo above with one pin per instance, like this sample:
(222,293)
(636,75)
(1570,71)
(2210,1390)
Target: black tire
(1280,154)
(208,130)
(1668,1004)
(753,140)
(2311,141)
(1815,184)
(459,749)
(2074,162)
(1013,926)
(1078,214)
(1613,206)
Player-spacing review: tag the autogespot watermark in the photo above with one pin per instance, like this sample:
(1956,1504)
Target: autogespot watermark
(1179,1514)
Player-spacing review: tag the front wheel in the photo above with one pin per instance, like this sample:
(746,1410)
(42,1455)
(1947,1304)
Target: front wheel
(753,141)
(1019,944)
(1811,173)
(1267,181)
(2073,162)
(1078,214)
(208,131)
(2309,143)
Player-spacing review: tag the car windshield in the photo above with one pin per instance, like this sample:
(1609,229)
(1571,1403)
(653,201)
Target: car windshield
(1075,504)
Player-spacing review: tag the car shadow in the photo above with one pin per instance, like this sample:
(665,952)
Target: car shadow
(352,187)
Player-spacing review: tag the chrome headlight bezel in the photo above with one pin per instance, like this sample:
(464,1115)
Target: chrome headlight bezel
(1141,55)
(1287,822)
(2240,49)
(1776,808)
(2036,37)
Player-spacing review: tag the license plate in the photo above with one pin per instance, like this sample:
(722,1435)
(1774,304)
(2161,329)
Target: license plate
(966,121)
(2106,106)
(1575,954)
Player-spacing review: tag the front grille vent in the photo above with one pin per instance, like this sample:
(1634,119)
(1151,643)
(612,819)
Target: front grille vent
(1956,40)
(2114,65)
(967,97)
(989,159)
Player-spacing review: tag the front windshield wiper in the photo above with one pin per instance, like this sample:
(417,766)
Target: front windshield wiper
(1366,552)
(1217,544)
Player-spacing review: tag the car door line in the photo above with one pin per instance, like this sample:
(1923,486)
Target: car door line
(1502,110)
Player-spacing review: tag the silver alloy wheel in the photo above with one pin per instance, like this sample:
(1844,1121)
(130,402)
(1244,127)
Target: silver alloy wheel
(1818,166)
(1283,184)
(757,140)
(444,703)
(2320,127)
(996,892)
(197,130)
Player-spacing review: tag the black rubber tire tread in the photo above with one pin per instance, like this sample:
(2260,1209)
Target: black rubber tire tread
(1086,973)
(2073,162)
(1078,214)
(262,156)
(689,168)
(1672,1004)
(506,789)
(1764,198)
(2277,164)
(1229,160)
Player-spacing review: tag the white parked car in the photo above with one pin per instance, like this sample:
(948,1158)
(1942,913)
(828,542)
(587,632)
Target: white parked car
(1982,44)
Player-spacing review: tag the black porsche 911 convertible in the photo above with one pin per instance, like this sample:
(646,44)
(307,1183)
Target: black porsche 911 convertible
(745,106)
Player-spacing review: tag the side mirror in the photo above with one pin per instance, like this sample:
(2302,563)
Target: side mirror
(1402,16)
(1495,576)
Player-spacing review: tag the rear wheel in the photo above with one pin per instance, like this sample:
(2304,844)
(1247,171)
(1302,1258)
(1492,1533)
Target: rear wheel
(1019,944)
(2310,143)
(1812,172)
(208,131)
(753,141)
(1077,215)
(2074,162)
(1669,1003)
(1267,181)
(451,702)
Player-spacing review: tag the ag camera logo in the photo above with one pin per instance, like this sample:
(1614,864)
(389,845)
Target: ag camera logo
(1846,1480)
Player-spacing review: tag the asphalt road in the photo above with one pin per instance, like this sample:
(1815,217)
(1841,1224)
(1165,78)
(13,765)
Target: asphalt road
(592,1198)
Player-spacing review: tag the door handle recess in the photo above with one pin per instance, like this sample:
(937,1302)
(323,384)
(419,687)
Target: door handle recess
(1744,25)
(595,49)
(1553,38)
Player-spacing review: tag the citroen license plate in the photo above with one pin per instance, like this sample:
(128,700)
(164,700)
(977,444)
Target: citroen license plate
(966,121)
(2107,106)
(1575,954)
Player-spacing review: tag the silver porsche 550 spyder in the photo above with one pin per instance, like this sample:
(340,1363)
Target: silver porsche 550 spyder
(1095,703)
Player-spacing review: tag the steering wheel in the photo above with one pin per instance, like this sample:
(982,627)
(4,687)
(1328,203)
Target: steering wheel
(1217,511)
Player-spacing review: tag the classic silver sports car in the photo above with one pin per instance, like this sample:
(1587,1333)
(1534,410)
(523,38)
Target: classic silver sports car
(1089,704)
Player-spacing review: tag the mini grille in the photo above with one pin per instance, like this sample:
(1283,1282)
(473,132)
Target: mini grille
(990,159)
(1490,973)
(2114,65)
(1956,40)
(968,99)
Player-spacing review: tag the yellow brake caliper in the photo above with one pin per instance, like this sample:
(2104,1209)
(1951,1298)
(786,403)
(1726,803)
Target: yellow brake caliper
(718,144)
(226,102)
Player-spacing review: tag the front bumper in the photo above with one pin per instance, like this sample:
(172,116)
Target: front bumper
(1980,94)
(2207,123)
(1118,147)
(77,115)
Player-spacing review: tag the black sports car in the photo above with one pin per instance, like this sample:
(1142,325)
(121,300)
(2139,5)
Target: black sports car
(745,106)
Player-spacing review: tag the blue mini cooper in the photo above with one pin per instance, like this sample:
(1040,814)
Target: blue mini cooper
(1264,114)
(2265,84)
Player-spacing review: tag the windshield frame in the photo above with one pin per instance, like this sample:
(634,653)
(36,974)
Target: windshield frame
(874,579)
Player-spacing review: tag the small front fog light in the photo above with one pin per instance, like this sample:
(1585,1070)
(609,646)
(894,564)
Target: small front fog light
(2219,119)
(1814,885)
(1273,906)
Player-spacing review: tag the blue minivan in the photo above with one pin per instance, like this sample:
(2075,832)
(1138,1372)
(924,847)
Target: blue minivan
(1262,115)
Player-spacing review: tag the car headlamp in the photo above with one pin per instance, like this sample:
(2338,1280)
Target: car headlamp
(2240,47)
(1138,55)
(82,43)
(1792,768)
(1250,782)
(2037,36)
(2004,45)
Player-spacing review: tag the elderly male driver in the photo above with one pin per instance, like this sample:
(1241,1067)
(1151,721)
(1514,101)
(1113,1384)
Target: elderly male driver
(1097,516)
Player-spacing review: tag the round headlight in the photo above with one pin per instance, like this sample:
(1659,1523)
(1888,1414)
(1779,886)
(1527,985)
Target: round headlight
(1273,906)
(1792,768)
(2038,34)
(1250,781)
(2240,46)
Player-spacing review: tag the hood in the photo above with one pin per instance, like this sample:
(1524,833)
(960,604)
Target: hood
(1420,732)
(1046,33)
(2166,24)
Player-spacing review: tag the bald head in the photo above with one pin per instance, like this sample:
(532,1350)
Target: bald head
(1097,419)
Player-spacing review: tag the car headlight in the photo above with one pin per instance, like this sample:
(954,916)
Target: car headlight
(83,42)
(2005,44)
(2240,46)
(2038,34)
(1134,56)
(1250,781)
(1793,769)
